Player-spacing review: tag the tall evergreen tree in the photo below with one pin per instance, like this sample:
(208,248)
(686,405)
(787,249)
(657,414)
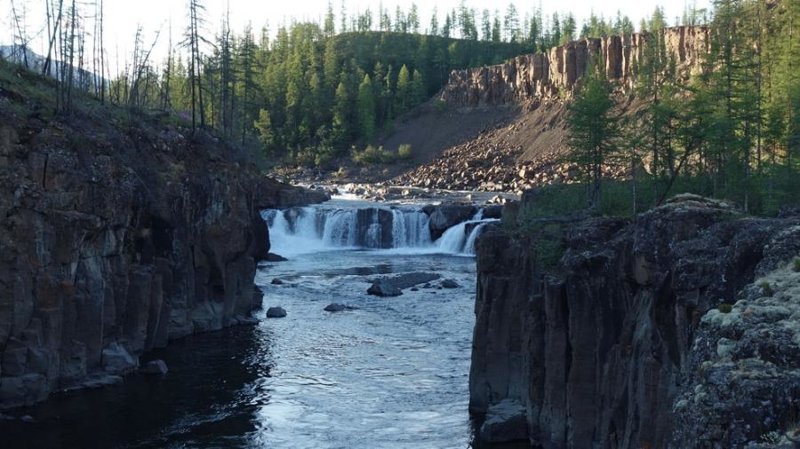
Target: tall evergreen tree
(366,108)
(403,96)
(593,130)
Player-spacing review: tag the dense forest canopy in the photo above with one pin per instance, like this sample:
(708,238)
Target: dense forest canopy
(734,129)
(300,92)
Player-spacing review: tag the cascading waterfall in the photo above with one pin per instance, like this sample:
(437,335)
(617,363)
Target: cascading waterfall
(306,230)
(460,239)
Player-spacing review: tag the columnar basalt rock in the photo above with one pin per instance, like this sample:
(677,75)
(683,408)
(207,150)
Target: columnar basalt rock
(610,348)
(548,75)
(113,242)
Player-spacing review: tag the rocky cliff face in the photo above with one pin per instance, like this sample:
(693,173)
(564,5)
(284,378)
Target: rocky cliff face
(608,348)
(545,76)
(115,240)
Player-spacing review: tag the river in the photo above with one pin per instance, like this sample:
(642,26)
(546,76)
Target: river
(387,373)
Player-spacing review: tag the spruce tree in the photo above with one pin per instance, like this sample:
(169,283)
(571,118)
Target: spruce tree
(403,96)
(593,130)
(366,109)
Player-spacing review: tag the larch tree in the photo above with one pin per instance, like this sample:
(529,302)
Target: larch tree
(593,130)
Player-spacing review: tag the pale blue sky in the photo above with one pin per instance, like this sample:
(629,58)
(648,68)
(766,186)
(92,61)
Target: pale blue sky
(123,16)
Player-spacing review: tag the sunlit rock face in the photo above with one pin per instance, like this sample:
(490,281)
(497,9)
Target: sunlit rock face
(554,73)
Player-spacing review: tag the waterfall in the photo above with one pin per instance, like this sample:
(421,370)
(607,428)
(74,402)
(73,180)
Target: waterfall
(455,240)
(469,246)
(304,230)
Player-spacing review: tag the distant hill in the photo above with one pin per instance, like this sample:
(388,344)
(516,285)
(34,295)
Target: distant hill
(84,79)
(323,94)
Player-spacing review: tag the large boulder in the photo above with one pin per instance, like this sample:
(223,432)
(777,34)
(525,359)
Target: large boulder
(384,287)
(393,285)
(276,312)
(446,216)
(449,283)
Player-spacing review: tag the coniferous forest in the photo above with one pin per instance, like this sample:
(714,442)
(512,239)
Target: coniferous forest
(307,93)
(730,131)
(304,91)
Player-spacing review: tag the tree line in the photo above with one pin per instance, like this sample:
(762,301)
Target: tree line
(305,92)
(733,131)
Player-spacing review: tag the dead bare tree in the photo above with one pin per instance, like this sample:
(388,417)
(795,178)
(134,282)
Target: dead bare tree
(140,68)
(21,34)
(55,13)
(192,40)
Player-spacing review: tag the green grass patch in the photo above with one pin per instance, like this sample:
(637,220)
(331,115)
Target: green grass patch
(766,289)
(372,155)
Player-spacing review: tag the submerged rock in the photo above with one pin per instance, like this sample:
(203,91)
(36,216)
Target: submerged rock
(383,287)
(276,281)
(449,283)
(276,312)
(505,422)
(393,285)
(337,307)
(272,257)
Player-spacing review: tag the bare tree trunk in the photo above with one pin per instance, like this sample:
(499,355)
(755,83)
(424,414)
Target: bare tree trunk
(71,60)
(21,34)
(55,26)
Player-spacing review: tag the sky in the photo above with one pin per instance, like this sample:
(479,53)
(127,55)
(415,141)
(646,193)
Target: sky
(123,16)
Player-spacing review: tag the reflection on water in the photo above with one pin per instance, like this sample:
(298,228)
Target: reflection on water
(391,374)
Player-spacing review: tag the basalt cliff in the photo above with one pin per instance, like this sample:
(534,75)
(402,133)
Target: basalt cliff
(676,329)
(522,152)
(553,74)
(117,235)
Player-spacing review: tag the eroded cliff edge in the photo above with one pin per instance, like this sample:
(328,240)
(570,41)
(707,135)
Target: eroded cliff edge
(618,344)
(553,74)
(118,235)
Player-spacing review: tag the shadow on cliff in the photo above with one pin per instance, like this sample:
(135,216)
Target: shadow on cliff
(120,232)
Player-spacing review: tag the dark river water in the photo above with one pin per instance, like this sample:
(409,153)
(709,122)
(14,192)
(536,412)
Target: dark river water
(391,374)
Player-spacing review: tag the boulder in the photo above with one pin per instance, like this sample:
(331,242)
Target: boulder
(449,283)
(446,216)
(276,281)
(505,422)
(336,307)
(276,312)
(393,285)
(383,287)
(272,257)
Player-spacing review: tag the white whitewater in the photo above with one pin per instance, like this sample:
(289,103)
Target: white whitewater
(404,230)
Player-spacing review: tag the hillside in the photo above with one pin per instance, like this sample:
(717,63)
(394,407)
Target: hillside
(522,151)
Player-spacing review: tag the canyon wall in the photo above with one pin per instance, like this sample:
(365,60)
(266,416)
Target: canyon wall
(115,240)
(554,73)
(617,344)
